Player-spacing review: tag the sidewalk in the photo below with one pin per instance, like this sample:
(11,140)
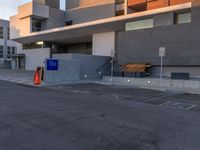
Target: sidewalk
(17,76)
(26,78)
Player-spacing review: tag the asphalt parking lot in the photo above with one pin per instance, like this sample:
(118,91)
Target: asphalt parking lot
(97,117)
(170,99)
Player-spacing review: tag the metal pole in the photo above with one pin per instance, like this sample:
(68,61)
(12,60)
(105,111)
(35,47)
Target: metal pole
(161,68)
(112,69)
(161,54)
(17,63)
(161,71)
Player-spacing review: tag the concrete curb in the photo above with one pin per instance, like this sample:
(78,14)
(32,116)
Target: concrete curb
(185,86)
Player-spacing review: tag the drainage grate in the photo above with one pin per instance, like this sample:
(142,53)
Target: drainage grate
(178,105)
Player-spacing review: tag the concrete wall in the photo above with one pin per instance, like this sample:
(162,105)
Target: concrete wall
(103,44)
(193,70)
(90,13)
(33,9)
(68,70)
(25,26)
(14,27)
(40,11)
(35,57)
(71,4)
(88,64)
(182,43)
(19,27)
(25,10)
(163,19)
(82,48)
(50,3)
(56,19)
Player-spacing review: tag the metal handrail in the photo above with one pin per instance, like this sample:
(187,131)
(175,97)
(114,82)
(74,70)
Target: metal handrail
(104,68)
(106,63)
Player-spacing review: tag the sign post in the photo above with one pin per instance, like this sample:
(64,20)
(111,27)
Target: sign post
(162,51)
(112,64)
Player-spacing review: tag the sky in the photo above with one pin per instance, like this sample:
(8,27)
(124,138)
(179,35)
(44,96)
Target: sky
(9,7)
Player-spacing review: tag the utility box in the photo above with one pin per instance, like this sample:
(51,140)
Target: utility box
(180,75)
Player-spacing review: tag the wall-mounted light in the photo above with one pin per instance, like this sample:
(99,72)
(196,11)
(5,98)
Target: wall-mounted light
(40,43)
(171,83)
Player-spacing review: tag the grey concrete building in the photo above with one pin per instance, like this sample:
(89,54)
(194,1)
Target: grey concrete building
(8,48)
(131,30)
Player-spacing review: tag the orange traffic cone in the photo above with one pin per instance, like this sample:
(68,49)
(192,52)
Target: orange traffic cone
(37,80)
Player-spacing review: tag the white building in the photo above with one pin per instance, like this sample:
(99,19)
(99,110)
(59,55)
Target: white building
(8,48)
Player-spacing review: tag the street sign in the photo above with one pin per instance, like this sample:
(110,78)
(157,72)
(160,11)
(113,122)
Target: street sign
(162,51)
(52,64)
(112,53)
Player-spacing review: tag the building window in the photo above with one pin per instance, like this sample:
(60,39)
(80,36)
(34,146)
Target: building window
(1,51)
(141,24)
(1,32)
(8,35)
(36,25)
(14,50)
(183,18)
(69,23)
(36,45)
(9,50)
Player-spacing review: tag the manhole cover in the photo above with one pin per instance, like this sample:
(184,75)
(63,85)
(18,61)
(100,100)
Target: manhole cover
(178,105)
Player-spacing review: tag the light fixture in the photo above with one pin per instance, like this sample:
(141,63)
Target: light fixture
(40,43)
(172,83)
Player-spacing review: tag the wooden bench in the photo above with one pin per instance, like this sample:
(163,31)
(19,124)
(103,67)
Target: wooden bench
(135,68)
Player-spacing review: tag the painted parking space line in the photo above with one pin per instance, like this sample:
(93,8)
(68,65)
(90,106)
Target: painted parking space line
(178,105)
(159,97)
(191,107)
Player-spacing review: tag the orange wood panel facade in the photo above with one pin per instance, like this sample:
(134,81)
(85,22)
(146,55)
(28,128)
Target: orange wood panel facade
(136,2)
(154,4)
(176,2)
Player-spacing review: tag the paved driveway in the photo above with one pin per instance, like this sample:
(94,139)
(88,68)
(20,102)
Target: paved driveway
(96,117)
